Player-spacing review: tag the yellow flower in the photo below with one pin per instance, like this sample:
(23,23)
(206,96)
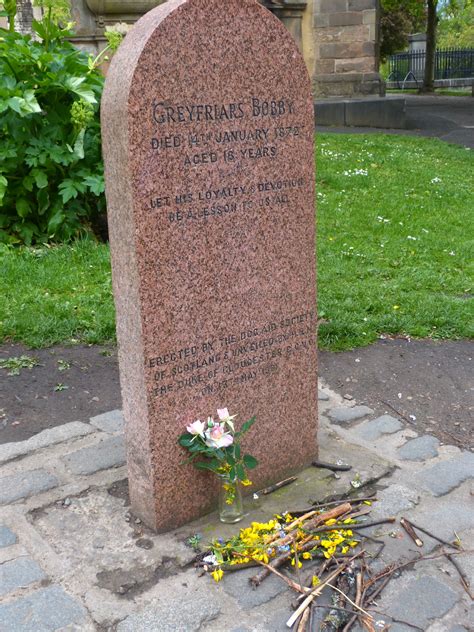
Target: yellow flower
(307,556)
(246,482)
(367,502)
(330,522)
(315,581)
(293,563)
(349,520)
(344,549)
(217,574)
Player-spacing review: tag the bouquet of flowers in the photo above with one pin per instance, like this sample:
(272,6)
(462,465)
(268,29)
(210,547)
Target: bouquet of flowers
(219,443)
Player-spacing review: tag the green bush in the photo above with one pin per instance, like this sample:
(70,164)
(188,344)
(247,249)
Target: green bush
(51,172)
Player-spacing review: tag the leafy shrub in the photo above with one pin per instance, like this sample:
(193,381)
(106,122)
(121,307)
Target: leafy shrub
(51,172)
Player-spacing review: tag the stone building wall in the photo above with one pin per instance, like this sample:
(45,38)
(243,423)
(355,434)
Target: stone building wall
(338,38)
(346,55)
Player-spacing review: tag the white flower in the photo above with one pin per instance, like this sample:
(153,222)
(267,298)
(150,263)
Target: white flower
(196,428)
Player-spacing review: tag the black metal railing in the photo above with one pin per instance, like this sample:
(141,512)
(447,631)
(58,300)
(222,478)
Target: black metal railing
(450,63)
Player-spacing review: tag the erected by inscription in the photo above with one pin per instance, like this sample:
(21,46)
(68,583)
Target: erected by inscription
(207,121)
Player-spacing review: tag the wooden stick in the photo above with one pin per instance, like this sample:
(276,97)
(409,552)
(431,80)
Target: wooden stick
(313,594)
(352,500)
(354,527)
(279,485)
(334,467)
(431,535)
(304,621)
(409,529)
(289,581)
(312,523)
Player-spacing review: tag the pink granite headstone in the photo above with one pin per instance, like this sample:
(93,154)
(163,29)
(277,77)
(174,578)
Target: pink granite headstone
(207,121)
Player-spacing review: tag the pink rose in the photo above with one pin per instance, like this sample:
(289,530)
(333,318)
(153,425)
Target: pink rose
(217,437)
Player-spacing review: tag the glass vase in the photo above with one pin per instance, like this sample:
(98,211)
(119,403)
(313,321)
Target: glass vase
(230,500)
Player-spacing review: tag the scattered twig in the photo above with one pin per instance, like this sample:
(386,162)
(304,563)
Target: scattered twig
(391,569)
(410,625)
(353,527)
(411,532)
(462,574)
(371,498)
(334,467)
(407,419)
(279,485)
(350,600)
(373,523)
(431,535)
(289,581)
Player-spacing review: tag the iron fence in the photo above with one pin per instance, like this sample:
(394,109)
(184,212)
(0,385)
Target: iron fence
(450,63)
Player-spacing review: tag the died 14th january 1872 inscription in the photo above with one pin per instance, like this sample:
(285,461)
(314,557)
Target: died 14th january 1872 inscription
(207,122)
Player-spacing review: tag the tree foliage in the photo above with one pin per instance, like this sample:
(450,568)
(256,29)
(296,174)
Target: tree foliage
(399,18)
(456,25)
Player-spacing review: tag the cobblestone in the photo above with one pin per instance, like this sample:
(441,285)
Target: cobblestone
(322,396)
(238,586)
(373,430)
(7,537)
(51,436)
(419,449)
(17,573)
(178,616)
(44,610)
(109,422)
(421,600)
(105,454)
(447,475)
(343,414)
(25,484)
(393,500)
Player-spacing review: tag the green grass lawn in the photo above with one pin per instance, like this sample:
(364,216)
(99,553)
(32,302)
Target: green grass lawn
(396,244)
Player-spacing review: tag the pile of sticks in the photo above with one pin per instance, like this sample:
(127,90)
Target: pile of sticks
(349,578)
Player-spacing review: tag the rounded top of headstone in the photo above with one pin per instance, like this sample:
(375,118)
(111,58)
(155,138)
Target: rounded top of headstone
(180,37)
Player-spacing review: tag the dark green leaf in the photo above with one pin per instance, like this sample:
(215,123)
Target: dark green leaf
(240,472)
(23,207)
(250,461)
(40,177)
(247,425)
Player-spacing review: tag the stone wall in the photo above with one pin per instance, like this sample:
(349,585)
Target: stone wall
(338,38)
(346,48)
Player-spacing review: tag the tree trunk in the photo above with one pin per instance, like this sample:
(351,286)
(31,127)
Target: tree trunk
(431,24)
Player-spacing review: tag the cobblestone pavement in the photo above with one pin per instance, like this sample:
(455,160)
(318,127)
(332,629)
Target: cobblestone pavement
(72,557)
